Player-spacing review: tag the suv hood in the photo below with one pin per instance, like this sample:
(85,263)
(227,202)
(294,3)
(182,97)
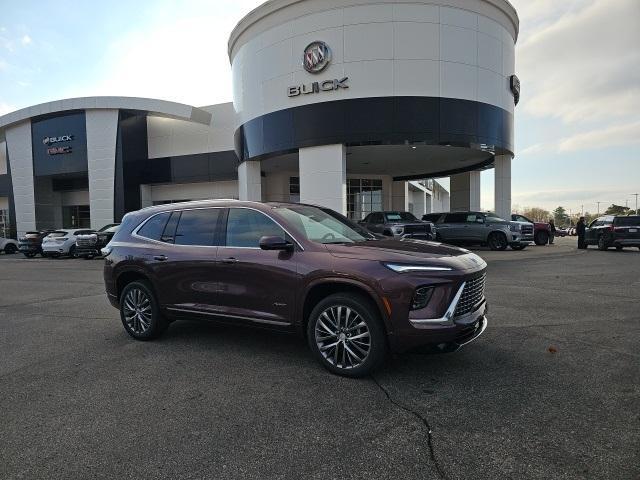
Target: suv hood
(409,251)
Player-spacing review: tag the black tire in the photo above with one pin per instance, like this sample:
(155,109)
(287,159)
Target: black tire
(72,252)
(518,247)
(88,257)
(361,308)
(497,241)
(541,238)
(157,323)
(10,249)
(29,254)
(602,243)
(618,248)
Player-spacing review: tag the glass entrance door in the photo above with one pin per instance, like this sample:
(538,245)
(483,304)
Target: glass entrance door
(76,216)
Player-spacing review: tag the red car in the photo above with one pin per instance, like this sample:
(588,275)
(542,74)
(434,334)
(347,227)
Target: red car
(541,230)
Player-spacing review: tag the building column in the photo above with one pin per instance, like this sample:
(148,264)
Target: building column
(250,181)
(323,176)
(465,192)
(502,186)
(102,131)
(20,154)
(400,196)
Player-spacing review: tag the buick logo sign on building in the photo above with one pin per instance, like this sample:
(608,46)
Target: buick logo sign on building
(316,57)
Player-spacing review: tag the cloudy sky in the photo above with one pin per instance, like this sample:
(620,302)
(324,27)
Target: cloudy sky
(577,125)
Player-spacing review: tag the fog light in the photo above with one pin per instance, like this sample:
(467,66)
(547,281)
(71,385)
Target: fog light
(421,298)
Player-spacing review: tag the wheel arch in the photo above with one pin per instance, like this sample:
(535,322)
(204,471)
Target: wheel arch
(125,277)
(321,289)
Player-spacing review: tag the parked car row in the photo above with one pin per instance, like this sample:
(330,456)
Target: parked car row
(84,243)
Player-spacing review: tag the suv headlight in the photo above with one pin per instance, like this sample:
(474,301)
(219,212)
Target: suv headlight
(399,230)
(400,268)
(421,297)
(515,227)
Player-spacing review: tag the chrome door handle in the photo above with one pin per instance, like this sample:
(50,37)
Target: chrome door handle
(229,260)
(160,258)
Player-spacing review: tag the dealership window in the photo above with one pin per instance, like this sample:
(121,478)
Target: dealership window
(364,195)
(294,189)
(76,216)
(4,223)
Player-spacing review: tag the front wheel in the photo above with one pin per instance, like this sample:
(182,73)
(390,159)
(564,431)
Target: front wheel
(346,335)
(10,249)
(497,241)
(602,243)
(140,313)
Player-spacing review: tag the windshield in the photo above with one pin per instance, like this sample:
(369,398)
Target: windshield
(400,217)
(492,217)
(319,226)
(58,234)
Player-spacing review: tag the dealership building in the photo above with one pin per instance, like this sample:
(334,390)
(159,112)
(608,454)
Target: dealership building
(356,105)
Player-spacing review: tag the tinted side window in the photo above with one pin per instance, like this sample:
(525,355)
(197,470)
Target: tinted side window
(455,218)
(155,226)
(198,227)
(432,217)
(245,228)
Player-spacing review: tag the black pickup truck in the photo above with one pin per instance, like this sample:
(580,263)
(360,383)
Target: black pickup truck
(89,245)
(398,225)
(613,231)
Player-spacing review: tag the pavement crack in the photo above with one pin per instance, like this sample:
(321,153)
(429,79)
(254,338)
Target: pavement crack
(422,419)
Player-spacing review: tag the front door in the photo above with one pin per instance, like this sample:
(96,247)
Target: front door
(452,227)
(255,284)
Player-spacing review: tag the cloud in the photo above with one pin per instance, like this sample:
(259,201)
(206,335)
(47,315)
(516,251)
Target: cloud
(531,149)
(615,135)
(6,108)
(181,58)
(582,67)
(26,40)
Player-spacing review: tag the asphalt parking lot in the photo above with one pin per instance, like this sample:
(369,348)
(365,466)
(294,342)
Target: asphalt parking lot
(551,390)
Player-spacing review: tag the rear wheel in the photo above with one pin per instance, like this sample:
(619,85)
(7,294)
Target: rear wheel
(602,243)
(346,336)
(140,313)
(542,238)
(72,252)
(497,241)
(10,249)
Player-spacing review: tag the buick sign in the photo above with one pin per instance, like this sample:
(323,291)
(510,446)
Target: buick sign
(316,57)
(52,140)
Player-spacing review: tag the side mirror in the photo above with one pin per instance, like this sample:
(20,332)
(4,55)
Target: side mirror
(275,243)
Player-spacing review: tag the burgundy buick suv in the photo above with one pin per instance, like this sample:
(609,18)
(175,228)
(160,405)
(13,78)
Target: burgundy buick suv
(301,268)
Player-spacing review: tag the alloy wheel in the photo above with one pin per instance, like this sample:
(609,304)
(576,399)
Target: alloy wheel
(137,310)
(342,337)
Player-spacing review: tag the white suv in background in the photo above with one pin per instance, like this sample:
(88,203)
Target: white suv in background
(62,242)
(7,245)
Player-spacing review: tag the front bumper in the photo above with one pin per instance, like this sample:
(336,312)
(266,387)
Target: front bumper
(82,251)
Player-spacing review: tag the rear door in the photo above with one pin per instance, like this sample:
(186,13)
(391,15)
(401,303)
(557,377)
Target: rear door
(452,226)
(184,260)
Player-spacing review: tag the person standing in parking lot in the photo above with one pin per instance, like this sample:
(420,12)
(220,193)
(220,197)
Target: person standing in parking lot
(580,231)
(552,231)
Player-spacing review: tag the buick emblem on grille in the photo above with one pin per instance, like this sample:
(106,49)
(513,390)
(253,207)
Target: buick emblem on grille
(316,57)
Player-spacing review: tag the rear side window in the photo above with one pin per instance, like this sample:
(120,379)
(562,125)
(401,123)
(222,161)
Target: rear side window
(432,217)
(627,221)
(198,227)
(245,228)
(455,218)
(154,227)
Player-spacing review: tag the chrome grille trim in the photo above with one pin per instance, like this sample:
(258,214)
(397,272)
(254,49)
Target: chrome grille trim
(472,295)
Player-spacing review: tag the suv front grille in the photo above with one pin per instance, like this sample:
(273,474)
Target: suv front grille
(472,295)
(527,229)
(88,241)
